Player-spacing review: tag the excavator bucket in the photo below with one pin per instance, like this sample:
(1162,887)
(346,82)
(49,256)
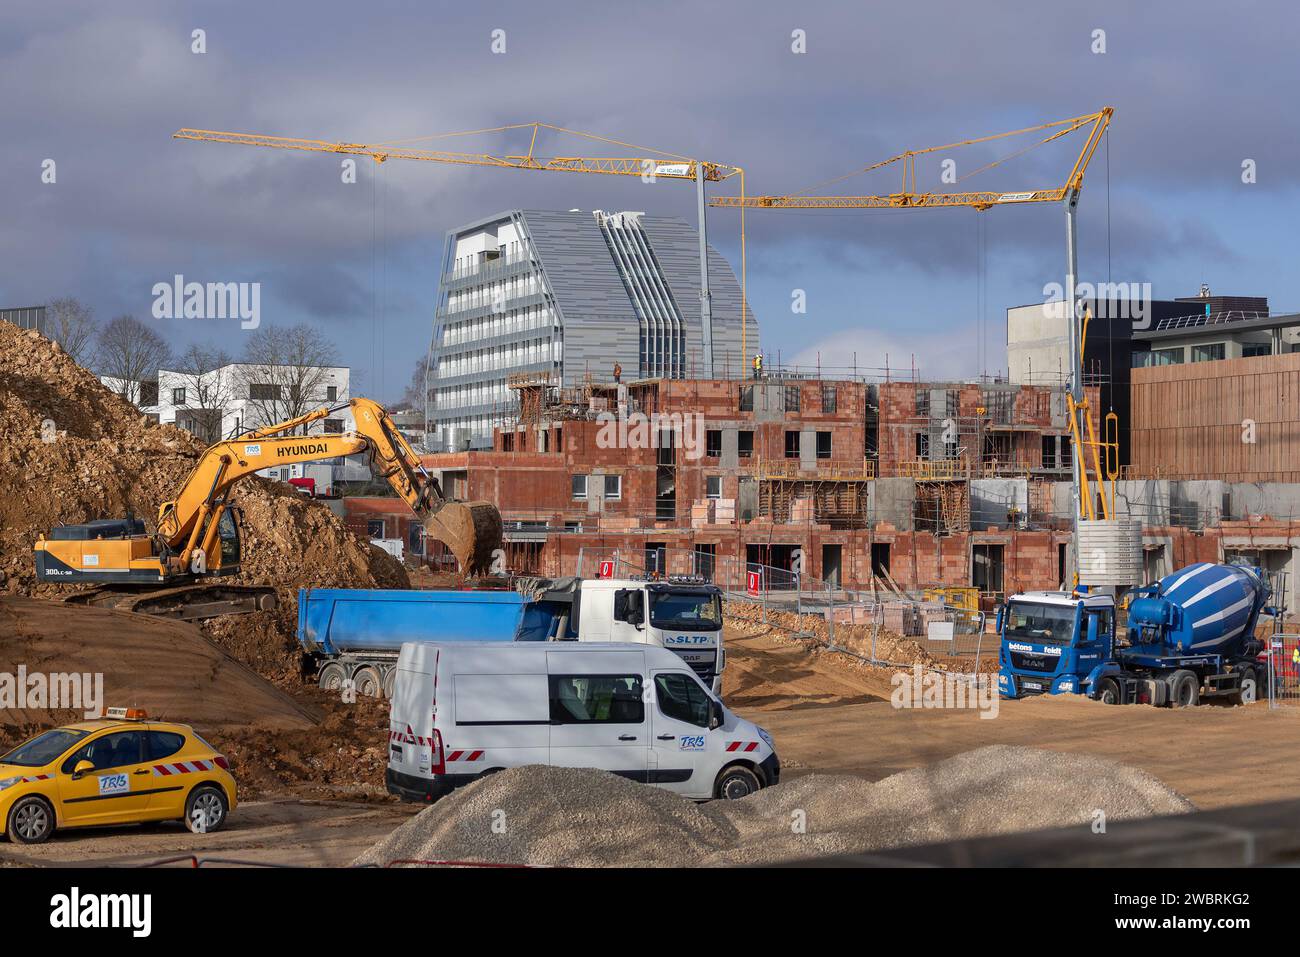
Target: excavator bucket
(472,530)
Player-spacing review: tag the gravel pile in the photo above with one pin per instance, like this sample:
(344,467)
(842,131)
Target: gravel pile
(583,818)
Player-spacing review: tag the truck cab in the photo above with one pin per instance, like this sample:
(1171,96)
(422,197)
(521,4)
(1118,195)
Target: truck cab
(684,616)
(1053,642)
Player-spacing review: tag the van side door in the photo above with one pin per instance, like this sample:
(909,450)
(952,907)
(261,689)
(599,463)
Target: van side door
(679,728)
(598,711)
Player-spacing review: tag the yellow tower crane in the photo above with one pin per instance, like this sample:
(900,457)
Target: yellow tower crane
(650,166)
(908,197)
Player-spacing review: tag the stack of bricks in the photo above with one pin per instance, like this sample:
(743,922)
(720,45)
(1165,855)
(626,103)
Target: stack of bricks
(865,613)
(801,511)
(702,513)
(901,618)
(929,611)
(724,511)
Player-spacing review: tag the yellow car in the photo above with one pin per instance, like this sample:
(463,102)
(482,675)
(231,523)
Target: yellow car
(121,769)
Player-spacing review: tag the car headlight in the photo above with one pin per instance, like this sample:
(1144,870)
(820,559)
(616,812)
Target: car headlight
(8,782)
(767,738)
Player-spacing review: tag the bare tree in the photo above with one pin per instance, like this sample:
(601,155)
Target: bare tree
(414,396)
(284,372)
(130,352)
(209,385)
(72,325)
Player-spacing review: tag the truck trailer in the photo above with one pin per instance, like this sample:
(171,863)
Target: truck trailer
(1189,636)
(355,635)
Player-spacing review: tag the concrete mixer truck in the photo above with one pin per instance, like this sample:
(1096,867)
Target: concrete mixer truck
(1189,636)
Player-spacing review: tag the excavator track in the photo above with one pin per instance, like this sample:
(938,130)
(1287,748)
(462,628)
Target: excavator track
(185,602)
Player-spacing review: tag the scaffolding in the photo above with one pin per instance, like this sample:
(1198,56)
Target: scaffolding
(837,495)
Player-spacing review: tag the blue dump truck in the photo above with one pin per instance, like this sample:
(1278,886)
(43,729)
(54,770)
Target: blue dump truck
(355,634)
(1190,636)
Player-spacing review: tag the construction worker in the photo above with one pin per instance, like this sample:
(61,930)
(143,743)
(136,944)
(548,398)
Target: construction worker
(758,365)
(618,371)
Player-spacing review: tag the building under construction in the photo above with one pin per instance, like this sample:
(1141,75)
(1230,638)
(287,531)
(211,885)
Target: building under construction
(847,481)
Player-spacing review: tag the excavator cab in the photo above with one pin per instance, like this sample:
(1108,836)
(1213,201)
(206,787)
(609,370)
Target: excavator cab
(229,532)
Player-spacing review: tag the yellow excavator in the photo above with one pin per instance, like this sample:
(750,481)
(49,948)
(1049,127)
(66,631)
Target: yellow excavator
(199,532)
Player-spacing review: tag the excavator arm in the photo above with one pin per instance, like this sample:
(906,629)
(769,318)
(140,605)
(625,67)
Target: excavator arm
(188,525)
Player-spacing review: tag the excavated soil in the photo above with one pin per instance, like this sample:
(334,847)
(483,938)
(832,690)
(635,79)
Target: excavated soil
(296,740)
(71,451)
(585,818)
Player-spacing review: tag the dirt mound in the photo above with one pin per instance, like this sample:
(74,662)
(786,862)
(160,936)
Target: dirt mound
(71,451)
(163,666)
(581,817)
(306,742)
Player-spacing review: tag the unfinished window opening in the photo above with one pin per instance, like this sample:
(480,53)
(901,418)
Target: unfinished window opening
(987,567)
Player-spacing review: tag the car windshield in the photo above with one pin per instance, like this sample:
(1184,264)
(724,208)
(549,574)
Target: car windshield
(685,611)
(43,748)
(1040,623)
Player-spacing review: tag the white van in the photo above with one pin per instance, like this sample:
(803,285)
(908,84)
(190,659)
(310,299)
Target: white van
(465,709)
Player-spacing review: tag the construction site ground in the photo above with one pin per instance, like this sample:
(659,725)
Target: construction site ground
(831,713)
(316,779)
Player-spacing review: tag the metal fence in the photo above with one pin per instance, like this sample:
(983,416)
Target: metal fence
(1283,670)
(943,629)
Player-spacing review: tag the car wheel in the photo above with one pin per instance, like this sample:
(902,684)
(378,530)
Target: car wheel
(331,677)
(736,782)
(1249,686)
(367,682)
(31,820)
(206,809)
(1108,691)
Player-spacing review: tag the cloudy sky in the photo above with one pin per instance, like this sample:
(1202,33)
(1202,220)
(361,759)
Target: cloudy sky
(99,88)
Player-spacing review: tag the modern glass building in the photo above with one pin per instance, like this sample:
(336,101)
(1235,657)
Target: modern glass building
(566,296)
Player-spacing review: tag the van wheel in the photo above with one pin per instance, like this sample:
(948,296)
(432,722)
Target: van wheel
(206,809)
(331,677)
(1108,691)
(367,682)
(1249,686)
(736,782)
(31,821)
(1184,689)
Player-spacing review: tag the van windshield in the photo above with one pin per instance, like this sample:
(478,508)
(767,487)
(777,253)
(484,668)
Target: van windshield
(685,611)
(1040,623)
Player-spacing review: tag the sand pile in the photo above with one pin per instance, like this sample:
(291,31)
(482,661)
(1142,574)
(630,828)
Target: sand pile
(580,817)
(71,451)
